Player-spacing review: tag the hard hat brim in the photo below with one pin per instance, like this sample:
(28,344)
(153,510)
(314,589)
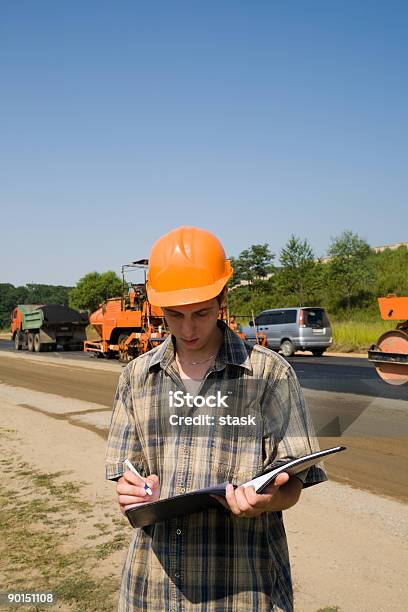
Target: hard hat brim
(182,297)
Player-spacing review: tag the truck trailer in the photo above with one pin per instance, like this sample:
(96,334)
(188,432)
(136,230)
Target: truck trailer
(42,327)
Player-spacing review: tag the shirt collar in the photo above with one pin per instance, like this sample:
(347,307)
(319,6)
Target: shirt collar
(232,351)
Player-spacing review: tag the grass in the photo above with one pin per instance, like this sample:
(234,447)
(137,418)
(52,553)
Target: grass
(39,550)
(349,336)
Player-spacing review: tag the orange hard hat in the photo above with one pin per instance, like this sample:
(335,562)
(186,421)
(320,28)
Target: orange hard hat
(186,266)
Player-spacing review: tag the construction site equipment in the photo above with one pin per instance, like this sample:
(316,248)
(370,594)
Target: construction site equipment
(390,353)
(127,326)
(40,327)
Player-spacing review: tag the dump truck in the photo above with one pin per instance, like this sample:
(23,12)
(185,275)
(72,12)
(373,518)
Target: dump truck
(42,327)
(390,353)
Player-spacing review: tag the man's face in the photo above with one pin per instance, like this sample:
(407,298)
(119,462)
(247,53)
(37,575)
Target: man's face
(193,325)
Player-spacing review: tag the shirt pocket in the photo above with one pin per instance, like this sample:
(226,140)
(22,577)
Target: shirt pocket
(237,458)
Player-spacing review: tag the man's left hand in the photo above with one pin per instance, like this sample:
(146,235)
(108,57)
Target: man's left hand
(246,503)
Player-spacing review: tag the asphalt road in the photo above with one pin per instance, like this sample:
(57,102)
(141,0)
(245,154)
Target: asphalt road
(327,373)
(374,428)
(344,375)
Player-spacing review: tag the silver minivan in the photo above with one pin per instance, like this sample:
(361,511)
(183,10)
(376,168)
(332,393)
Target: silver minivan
(292,329)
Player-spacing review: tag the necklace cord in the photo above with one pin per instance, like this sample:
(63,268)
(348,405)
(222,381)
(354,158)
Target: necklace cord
(196,362)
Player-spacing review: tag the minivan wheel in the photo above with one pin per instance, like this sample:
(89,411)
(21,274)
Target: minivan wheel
(287,348)
(317,352)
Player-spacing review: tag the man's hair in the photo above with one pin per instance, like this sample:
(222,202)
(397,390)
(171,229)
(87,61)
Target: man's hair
(222,294)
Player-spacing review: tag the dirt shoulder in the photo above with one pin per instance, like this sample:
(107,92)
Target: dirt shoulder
(359,355)
(66,533)
(61,529)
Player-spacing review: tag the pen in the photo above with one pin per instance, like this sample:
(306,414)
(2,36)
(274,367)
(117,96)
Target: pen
(134,470)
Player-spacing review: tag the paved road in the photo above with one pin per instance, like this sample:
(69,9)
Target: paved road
(346,375)
(327,373)
(375,429)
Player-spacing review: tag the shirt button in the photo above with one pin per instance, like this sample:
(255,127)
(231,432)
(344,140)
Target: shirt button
(177,575)
(178,531)
(182,489)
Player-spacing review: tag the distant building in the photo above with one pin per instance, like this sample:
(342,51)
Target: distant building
(245,282)
(396,245)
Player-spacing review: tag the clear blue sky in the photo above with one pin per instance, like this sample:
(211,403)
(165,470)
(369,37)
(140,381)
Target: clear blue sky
(123,120)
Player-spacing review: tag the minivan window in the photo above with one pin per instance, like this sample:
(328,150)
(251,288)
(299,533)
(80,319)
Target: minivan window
(261,319)
(290,316)
(275,318)
(269,318)
(316,317)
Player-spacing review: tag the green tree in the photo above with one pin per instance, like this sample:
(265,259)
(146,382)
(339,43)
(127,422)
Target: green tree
(93,288)
(391,267)
(349,271)
(31,293)
(299,274)
(252,264)
(47,294)
(237,275)
(7,303)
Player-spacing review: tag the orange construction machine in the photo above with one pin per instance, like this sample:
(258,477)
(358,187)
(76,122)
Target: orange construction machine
(129,325)
(390,353)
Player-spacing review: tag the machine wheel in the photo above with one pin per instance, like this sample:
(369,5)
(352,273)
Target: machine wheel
(37,343)
(393,341)
(287,349)
(17,341)
(317,352)
(30,342)
(123,355)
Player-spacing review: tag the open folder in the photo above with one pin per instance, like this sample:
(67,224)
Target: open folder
(147,513)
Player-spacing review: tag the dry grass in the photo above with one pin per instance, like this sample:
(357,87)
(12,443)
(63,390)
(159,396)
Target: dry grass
(40,550)
(349,336)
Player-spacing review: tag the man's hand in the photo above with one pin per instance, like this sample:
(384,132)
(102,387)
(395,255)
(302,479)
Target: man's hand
(130,490)
(281,494)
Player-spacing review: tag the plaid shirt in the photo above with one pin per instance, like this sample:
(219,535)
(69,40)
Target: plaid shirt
(212,560)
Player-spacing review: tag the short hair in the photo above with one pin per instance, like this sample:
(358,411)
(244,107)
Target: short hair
(220,297)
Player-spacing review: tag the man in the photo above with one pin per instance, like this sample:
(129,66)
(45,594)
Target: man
(233,556)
